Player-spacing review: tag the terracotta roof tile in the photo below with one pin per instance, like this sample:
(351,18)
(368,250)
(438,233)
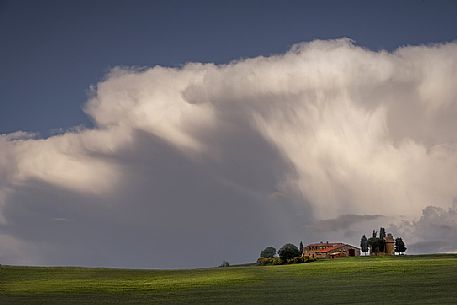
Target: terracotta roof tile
(328,246)
(324,244)
(329,249)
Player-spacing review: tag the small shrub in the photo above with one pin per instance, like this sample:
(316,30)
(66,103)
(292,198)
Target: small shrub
(296,260)
(224,264)
(264,261)
(277,261)
(310,259)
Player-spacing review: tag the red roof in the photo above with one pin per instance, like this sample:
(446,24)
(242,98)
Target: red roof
(329,249)
(325,244)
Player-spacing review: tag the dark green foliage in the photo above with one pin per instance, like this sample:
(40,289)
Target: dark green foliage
(399,245)
(382,243)
(264,261)
(268,252)
(288,251)
(277,261)
(301,247)
(364,244)
(377,244)
(224,264)
(382,233)
(373,242)
(296,260)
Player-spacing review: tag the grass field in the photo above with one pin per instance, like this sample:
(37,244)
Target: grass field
(427,279)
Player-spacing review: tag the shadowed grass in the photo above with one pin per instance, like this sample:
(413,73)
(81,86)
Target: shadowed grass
(428,279)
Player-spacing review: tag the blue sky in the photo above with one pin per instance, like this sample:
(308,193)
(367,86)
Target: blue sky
(53,51)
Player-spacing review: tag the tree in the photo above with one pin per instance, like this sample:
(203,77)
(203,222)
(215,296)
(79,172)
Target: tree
(364,244)
(268,252)
(301,248)
(288,251)
(375,234)
(374,243)
(382,233)
(399,245)
(382,242)
(224,264)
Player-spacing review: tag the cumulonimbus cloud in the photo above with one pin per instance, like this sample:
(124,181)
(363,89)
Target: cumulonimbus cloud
(357,131)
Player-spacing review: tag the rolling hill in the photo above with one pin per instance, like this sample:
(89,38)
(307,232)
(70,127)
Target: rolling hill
(422,279)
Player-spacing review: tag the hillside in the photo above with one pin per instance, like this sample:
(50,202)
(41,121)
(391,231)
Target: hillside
(426,279)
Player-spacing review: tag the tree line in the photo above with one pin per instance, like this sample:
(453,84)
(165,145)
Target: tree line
(287,254)
(377,245)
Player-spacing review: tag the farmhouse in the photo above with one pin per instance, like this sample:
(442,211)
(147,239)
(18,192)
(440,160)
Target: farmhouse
(330,250)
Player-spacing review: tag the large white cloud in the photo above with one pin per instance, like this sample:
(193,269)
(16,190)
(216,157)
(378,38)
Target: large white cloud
(352,131)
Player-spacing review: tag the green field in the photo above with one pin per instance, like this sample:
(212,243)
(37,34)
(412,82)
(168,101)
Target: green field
(427,279)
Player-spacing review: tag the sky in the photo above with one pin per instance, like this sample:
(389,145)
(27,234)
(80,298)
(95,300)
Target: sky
(174,134)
